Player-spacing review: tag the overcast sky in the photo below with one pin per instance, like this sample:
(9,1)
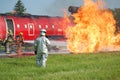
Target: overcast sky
(49,7)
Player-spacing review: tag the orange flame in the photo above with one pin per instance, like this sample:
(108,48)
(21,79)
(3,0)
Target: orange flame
(93,30)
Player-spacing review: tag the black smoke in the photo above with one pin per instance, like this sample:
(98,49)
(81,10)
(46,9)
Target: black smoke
(58,6)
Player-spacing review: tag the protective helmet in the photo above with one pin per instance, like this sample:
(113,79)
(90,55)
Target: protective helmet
(43,30)
(20,33)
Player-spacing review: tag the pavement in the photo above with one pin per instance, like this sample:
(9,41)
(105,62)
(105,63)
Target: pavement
(56,47)
(12,55)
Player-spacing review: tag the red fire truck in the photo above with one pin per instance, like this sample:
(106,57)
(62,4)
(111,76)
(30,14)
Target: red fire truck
(30,26)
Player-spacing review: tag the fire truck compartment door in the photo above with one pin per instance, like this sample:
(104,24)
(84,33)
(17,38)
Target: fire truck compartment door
(31,29)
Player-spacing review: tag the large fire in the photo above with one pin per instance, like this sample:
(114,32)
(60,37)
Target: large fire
(93,30)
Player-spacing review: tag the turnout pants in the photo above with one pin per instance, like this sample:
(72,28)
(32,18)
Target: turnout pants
(41,59)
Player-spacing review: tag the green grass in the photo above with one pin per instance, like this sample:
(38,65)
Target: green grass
(96,66)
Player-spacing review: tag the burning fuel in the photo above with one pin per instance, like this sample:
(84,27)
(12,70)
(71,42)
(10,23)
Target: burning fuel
(93,30)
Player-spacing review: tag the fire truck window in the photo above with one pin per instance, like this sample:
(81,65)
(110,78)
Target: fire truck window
(25,26)
(53,26)
(31,27)
(18,26)
(40,26)
(46,26)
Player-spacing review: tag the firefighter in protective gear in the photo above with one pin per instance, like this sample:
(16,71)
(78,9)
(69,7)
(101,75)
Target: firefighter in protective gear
(41,49)
(19,42)
(9,40)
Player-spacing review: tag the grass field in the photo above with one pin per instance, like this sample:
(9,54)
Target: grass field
(96,66)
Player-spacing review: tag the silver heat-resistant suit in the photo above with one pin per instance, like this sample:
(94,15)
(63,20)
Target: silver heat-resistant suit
(41,47)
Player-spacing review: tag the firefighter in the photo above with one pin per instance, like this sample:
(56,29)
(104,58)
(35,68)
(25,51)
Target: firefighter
(8,41)
(41,48)
(19,43)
